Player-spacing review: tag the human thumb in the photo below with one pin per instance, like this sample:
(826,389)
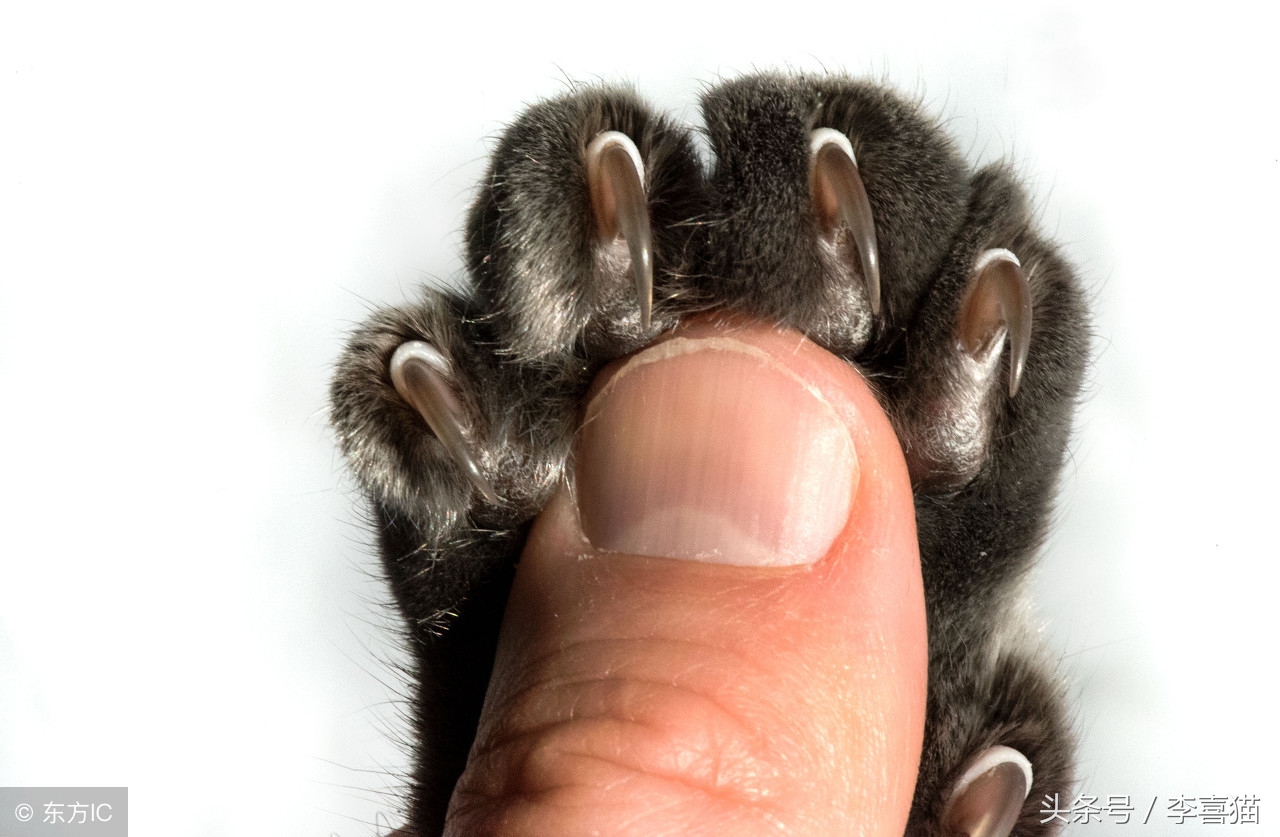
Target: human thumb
(717,626)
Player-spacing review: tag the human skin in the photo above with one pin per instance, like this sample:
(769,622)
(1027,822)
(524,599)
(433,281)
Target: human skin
(755,665)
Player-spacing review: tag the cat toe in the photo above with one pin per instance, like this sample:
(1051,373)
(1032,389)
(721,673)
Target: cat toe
(580,239)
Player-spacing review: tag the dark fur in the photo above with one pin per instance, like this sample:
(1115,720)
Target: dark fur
(550,308)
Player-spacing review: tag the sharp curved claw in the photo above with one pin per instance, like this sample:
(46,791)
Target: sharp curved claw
(615,174)
(421,375)
(998,304)
(988,797)
(838,192)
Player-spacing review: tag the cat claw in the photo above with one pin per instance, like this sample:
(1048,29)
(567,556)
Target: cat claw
(615,175)
(997,304)
(988,796)
(422,376)
(839,195)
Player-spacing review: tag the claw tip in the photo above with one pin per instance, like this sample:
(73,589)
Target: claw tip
(421,374)
(839,193)
(999,294)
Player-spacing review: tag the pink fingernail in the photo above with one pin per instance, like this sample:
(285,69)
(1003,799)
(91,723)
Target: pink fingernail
(713,450)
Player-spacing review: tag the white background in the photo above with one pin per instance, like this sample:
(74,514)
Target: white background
(196,201)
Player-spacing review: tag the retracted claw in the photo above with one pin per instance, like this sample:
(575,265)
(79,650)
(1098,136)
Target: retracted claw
(838,193)
(615,175)
(421,375)
(997,304)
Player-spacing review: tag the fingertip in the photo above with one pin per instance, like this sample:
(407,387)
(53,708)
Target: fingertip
(814,666)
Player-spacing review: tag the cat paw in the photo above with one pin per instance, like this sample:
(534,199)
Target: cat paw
(832,207)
